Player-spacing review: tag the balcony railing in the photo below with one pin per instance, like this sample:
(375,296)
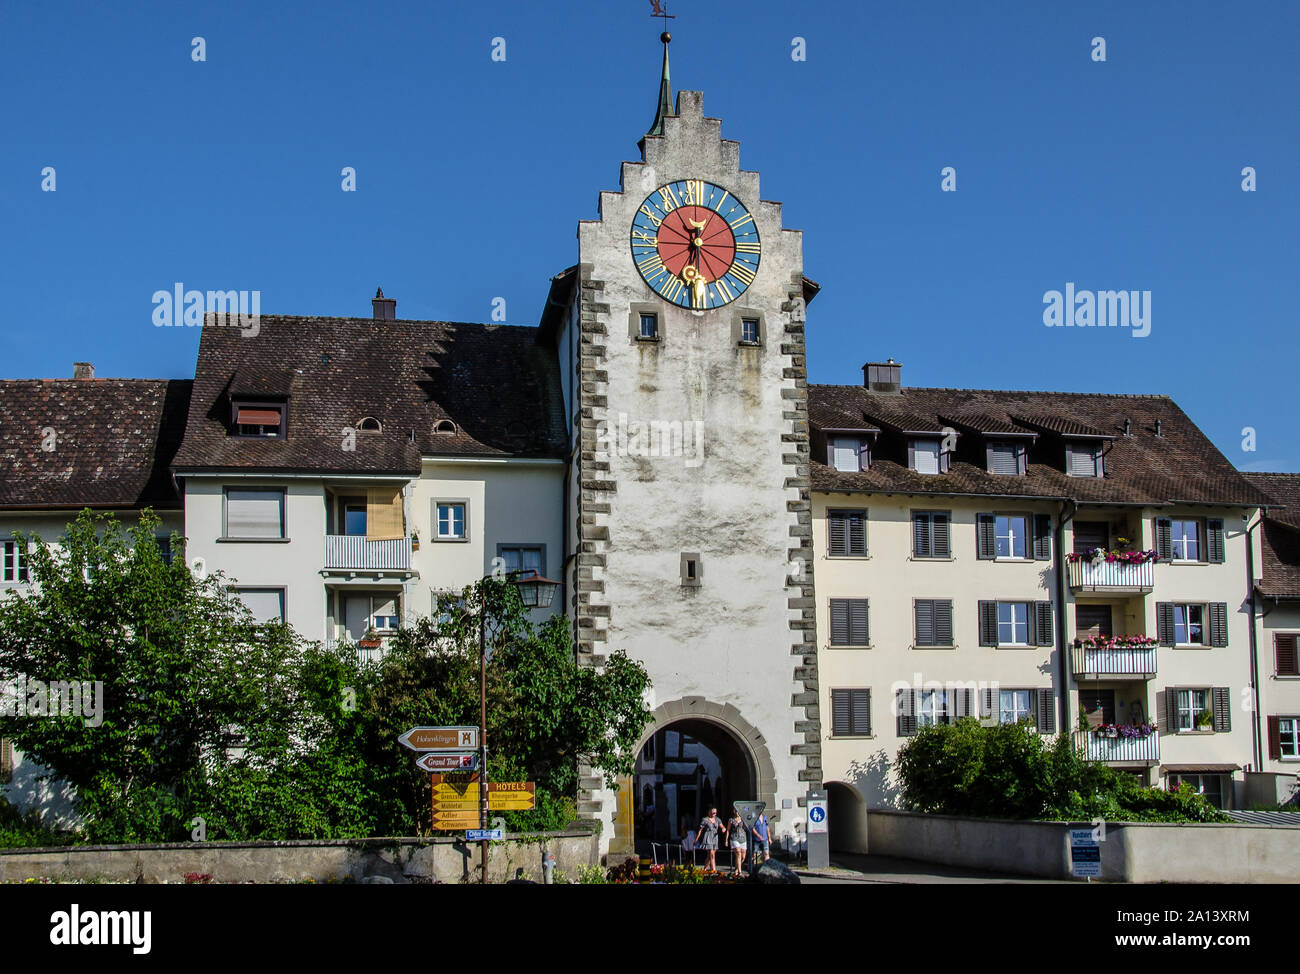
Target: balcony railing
(1111,576)
(1132,661)
(1123,750)
(354,552)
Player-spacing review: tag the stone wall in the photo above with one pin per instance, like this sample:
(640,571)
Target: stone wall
(399,860)
(1148,852)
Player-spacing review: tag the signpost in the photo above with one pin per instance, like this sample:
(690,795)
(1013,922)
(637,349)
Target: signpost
(457,804)
(451,761)
(440,738)
(483,835)
(819,844)
(749,813)
(1085,853)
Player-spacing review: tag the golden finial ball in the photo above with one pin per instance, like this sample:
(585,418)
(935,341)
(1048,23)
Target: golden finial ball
(665,37)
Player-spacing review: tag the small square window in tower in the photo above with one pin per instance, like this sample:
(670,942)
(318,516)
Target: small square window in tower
(749,331)
(691,569)
(650,327)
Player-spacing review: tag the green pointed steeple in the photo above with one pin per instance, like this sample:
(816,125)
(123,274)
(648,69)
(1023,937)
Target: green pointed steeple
(665,92)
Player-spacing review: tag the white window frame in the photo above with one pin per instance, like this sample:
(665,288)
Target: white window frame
(15,567)
(242,489)
(933,707)
(1013,623)
(917,453)
(1014,713)
(1177,538)
(1185,608)
(1197,781)
(1293,735)
(852,447)
(450,502)
(1011,537)
(1187,706)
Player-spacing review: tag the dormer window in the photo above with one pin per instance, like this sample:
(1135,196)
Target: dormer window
(369,425)
(1007,458)
(926,456)
(261,420)
(849,454)
(444,426)
(1083,459)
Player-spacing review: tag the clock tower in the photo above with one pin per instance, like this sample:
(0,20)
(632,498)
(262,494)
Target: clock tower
(682,353)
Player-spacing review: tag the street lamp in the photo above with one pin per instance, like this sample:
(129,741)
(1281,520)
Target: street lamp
(536,592)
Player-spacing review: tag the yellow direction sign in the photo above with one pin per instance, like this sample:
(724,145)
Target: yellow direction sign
(497,801)
(470,789)
(455,823)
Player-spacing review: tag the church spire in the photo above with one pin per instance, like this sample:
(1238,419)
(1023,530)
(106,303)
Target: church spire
(665,92)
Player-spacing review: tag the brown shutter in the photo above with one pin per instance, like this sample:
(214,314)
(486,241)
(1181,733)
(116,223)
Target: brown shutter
(905,701)
(1164,539)
(841,724)
(988,623)
(1043,618)
(939,522)
(985,536)
(1275,738)
(1218,623)
(1042,537)
(245,416)
(1221,701)
(384,521)
(1284,651)
(1167,710)
(1214,540)
(1165,623)
(7,760)
(1046,702)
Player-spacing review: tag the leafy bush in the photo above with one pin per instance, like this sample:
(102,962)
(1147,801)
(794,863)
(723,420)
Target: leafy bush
(592,875)
(1007,771)
(26,830)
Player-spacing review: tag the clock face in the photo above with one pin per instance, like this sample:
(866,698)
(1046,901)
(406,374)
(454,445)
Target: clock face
(695,244)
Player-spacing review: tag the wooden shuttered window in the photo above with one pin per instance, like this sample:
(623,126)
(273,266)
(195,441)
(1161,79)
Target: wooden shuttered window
(1274,738)
(930,534)
(1284,654)
(1218,623)
(1045,706)
(988,623)
(1084,459)
(933,622)
(1215,545)
(849,622)
(848,532)
(1040,622)
(905,712)
(1004,458)
(1089,535)
(1164,539)
(1221,704)
(1165,623)
(985,536)
(851,713)
(1167,710)
(384,518)
(1042,537)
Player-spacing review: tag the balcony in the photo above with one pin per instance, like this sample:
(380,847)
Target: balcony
(353,553)
(1110,576)
(1116,662)
(1141,751)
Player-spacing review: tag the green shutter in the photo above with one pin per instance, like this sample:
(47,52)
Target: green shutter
(1215,546)
(985,536)
(1221,699)
(988,623)
(1218,623)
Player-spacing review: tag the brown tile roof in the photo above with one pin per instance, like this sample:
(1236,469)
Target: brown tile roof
(1280,534)
(499,388)
(114,441)
(1181,465)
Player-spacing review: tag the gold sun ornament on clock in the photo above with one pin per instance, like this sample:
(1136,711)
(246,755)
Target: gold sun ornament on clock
(695,244)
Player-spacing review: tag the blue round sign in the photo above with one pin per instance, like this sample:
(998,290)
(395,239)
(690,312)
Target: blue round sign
(817,813)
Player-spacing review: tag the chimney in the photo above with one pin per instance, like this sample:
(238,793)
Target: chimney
(883,377)
(83,370)
(385,308)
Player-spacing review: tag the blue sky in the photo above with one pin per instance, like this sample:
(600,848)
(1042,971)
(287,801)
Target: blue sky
(473,173)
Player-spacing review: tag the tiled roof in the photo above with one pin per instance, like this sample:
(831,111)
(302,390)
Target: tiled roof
(1180,465)
(499,388)
(1280,534)
(113,441)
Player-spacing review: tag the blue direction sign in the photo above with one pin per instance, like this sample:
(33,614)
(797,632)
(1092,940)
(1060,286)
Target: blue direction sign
(484,835)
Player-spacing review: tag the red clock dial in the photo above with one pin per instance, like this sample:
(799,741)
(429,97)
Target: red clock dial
(695,235)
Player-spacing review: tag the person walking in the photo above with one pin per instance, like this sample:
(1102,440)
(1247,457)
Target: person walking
(737,839)
(706,837)
(762,840)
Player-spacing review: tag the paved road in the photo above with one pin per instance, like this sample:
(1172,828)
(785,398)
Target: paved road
(847,868)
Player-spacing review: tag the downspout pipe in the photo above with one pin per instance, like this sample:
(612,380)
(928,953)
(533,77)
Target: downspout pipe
(1062,654)
(1257,750)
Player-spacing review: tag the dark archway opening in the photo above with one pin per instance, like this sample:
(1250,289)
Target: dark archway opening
(683,770)
(846,813)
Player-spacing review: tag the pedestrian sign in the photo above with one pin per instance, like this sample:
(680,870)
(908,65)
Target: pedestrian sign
(816,816)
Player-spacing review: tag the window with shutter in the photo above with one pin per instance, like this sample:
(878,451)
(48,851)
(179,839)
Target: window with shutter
(1089,535)
(264,420)
(1218,624)
(930,534)
(1185,539)
(841,716)
(943,622)
(1092,620)
(255,513)
(1283,737)
(1222,709)
(1004,458)
(1284,654)
(1013,624)
(849,622)
(924,622)
(988,623)
(905,712)
(1042,537)
(1043,623)
(1084,459)
(925,456)
(848,532)
(1045,701)
(846,453)
(1165,623)
(1010,534)
(985,536)
(1164,539)
(1215,546)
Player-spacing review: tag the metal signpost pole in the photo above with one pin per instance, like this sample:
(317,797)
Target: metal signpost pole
(482,733)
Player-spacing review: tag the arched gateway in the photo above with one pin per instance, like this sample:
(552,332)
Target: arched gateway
(694,754)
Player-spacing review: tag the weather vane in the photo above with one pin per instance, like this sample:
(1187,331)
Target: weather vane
(657,9)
